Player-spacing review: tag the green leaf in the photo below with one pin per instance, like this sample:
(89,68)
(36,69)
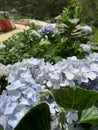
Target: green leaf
(75,98)
(38,118)
(74,21)
(1,127)
(44,43)
(89,115)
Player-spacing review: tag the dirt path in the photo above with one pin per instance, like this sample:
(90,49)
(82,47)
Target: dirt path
(19,28)
(38,22)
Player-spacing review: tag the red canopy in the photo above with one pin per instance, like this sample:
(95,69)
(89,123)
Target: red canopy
(5,25)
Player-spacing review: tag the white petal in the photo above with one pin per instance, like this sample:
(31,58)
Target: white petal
(69,120)
(15,85)
(33,61)
(26,75)
(51,76)
(24,101)
(69,76)
(49,84)
(21,108)
(10,108)
(30,80)
(14,95)
(11,78)
(85,68)
(75,70)
(19,115)
(85,80)
(29,92)
(64,83)
(3,120)
(92,75)
(13,123)
(94,67)
(75,116)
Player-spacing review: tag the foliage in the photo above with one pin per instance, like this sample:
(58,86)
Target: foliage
(69,22)
(95,35)
(89,115)
(64,43)
(50,9)
(34,26)
(75,101)
(94,39)
(90,11)
(2,16)
(47,8)
(53,44)
(17,46)
(64,40)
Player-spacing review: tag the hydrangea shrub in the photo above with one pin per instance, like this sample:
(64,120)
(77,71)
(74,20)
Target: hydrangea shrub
(64,38)
(30,79)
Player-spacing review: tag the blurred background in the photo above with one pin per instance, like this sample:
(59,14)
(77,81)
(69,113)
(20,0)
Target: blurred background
(48,9)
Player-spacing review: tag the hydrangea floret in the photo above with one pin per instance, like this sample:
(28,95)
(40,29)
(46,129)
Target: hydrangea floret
(47,28)
(47,31)
(85,47)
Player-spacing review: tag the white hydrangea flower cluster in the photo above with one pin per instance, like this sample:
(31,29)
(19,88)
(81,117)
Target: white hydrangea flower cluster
(86,30)
(2,46)
(27,79)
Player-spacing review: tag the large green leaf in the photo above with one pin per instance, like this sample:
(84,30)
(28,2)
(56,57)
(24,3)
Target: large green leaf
(89,115)
(1,127)
(38,118)
(75,98)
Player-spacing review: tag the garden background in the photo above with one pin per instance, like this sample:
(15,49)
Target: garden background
(49,74)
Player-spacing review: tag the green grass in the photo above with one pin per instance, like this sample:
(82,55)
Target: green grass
(96,35)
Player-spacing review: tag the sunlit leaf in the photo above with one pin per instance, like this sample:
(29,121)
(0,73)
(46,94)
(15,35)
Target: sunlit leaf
(89,115)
